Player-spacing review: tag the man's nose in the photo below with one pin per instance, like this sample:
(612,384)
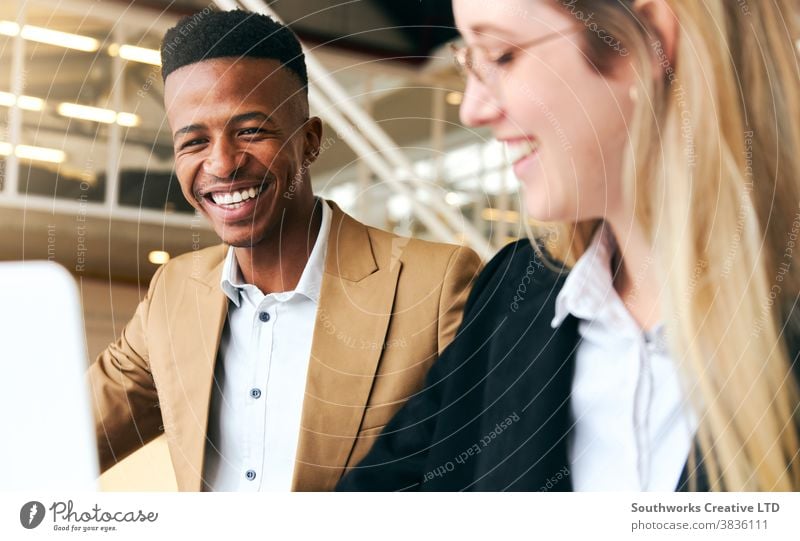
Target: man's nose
(224,160)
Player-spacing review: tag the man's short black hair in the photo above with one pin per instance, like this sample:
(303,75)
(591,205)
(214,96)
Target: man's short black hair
(224,34)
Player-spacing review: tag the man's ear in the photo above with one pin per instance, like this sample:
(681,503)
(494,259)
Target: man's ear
(313,139)
(662,20)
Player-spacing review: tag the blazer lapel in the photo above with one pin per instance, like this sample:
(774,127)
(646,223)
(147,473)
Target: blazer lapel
(355,307)
(196,339)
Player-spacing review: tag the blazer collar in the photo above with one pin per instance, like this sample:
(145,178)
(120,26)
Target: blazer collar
(195,337)
(355,309)
(350,255)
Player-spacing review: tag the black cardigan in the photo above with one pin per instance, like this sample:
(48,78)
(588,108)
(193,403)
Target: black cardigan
(494,413)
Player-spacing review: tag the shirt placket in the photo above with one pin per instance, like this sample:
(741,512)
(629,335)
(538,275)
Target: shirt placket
(256,391)
(643,400)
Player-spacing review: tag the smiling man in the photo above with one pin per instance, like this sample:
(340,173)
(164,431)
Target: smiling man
(272,361)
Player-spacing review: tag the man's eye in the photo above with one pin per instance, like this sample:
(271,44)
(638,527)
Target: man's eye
(192,143)
(251,131)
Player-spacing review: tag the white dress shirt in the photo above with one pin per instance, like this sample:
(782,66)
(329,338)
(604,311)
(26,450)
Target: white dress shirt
(633,426)
(260,378)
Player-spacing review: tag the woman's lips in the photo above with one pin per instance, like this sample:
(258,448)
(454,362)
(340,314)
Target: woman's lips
(518,149)
(522,153)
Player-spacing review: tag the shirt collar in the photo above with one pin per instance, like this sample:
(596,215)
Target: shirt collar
(231,280)
(310,283)
(586,289)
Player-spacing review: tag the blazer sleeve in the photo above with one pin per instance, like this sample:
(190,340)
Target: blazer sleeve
(124,394)
(462,269)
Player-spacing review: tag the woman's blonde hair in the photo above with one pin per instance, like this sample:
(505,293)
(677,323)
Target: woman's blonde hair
(713,173)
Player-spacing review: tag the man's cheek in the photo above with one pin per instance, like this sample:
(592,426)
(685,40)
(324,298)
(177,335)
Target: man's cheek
(188,194)
(184,175)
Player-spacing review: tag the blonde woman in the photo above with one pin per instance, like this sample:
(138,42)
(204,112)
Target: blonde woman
(647,338)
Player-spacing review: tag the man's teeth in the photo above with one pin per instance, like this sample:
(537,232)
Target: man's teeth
(516,150)
(236,198)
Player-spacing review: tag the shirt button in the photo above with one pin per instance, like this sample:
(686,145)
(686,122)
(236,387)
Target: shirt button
(251,474)
(263,316)
(255,393)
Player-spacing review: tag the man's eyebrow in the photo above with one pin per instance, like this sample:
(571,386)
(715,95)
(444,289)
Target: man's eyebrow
(244,117)
(187,129)
(252,115)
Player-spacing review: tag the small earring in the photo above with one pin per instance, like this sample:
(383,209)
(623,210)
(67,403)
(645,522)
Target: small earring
(633,92)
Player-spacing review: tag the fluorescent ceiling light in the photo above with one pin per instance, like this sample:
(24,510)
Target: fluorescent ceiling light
(39,154)
(81,43)
(128,120)
(137,54)
(59,39)
(158,257)
(51,37)
(7,99)
(9,28)
(97,114)
(84,112)
(30,103)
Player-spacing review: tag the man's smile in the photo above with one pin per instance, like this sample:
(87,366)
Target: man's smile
(233,201)
(234,198)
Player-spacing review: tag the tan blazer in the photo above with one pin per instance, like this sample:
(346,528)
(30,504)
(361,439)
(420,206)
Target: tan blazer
(388,307)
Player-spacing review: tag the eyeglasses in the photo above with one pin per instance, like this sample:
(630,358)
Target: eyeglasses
(485,66)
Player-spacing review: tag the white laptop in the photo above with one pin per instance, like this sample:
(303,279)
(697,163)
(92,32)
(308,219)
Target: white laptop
(46,422)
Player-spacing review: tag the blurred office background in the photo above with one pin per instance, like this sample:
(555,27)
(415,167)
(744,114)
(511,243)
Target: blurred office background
(86,174)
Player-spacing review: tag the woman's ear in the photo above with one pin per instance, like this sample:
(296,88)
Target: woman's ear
(662,20)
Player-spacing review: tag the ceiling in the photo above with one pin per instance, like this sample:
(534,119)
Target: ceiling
(398,29)
(391,42)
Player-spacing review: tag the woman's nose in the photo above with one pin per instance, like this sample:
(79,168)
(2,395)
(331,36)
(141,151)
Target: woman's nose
(479,106)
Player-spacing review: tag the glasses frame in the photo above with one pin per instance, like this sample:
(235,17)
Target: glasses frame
(463,56)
